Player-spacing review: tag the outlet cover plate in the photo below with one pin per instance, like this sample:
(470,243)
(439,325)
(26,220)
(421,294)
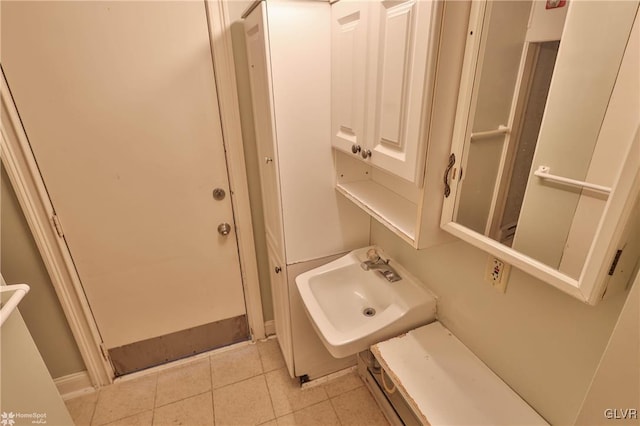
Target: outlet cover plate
(497,274)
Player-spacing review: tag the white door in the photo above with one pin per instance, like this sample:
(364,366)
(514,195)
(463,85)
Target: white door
(119,103)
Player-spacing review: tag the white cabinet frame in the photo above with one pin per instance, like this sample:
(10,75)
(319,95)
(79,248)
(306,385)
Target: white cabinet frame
(592,283)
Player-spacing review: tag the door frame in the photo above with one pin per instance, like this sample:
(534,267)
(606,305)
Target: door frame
(34,200)
(219,24)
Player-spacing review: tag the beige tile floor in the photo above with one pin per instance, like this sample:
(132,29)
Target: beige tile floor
(247,385)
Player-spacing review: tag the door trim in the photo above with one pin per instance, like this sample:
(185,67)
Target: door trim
(34,200)
(224,71)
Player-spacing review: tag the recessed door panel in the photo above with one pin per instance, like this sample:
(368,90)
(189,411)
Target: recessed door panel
(349,22)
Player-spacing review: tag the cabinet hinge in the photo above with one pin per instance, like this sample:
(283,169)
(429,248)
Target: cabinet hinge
(616,258)
(57,225)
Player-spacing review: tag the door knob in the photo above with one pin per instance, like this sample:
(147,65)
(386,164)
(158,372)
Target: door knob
(224,229)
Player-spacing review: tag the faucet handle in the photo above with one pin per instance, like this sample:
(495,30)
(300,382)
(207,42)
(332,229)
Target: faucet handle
(373,255)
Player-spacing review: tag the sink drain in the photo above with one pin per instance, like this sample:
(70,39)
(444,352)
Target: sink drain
(368,312)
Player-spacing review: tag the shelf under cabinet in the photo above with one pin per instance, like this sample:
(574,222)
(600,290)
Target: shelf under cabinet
(386,206)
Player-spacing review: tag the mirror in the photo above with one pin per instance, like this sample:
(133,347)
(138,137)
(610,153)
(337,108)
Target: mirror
(544,127)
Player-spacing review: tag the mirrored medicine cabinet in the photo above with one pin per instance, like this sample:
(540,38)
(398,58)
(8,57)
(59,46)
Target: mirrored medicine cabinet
(545,155)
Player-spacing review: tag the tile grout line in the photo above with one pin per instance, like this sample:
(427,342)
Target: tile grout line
(270,391)
(213,407)
(181,399)
(95,406)
(237,381)
(313,405)
(116,384)
(266,383)
(273,408)
(264,370)
(155,397)
(253,376)
(335,411)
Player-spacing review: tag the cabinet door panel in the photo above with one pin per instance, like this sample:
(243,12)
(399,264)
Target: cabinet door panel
(256,41)
(396,26)
(349,22)
(281,310)
(405,33)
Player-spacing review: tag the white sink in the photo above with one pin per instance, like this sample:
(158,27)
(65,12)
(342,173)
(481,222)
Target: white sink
(340,298)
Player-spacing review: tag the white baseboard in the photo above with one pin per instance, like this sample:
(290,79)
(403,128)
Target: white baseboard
(74,385)
(269,328)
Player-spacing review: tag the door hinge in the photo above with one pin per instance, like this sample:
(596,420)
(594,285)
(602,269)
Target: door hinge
(616,258)
(103,350)
(57,225)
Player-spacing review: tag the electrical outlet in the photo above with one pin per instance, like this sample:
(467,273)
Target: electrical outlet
(553,4)
(497,274)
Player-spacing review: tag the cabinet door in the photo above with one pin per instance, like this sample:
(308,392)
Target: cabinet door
(349,26)
(404,37)
(281,309)
(257,41)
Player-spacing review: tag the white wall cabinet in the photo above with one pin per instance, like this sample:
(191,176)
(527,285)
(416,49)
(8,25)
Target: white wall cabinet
(289,56)
(395,74)
(381,52)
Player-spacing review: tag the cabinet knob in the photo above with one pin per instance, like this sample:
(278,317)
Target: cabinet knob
(278,269)
(355,148)
(268,160)
(366,153)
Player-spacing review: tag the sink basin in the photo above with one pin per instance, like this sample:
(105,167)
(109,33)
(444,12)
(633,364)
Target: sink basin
(351,308)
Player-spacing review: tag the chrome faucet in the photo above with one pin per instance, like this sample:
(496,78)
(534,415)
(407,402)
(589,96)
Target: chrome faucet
(381,266)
